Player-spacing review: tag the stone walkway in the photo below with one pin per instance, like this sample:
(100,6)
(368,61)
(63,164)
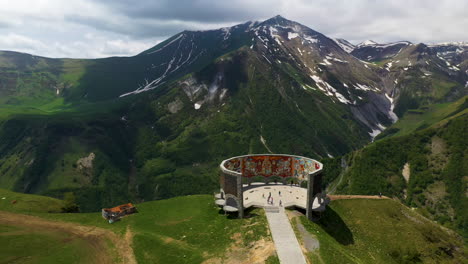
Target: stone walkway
(287,246)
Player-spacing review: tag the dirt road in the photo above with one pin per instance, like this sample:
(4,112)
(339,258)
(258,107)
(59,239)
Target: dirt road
(342,197)
(96,237)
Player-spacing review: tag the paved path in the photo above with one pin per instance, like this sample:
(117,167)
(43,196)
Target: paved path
(286,244)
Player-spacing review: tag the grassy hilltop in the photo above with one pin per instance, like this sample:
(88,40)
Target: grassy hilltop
(191,229)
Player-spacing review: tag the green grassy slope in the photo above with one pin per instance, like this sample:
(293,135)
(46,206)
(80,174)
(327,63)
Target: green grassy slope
(187,229)
(191,229)
(381,231)
(426,116)
(27,244)
(422,81)
(436,159)
(31,83)
(24,245)
(39,154)
(28,203)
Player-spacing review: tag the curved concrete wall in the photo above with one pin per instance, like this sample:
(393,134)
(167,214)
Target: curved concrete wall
(285,166)
(268,165)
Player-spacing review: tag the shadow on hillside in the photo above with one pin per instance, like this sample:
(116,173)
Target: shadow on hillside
(247,214)
(332,223)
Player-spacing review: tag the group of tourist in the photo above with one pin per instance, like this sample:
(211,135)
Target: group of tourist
(270,199)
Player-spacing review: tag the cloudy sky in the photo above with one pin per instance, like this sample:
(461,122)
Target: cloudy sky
(102,28)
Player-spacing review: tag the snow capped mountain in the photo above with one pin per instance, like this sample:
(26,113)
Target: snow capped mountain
(369,83)
(453,52)
(285,46)
(378,45)
(367,43)
(333,67)
(345,45)
(371,51)
(457,43)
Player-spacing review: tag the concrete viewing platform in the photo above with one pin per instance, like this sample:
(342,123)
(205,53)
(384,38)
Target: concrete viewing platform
(245,182)
(256,194)
(261,180)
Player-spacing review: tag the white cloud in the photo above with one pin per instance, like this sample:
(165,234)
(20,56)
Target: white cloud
(13,41)
(91,28)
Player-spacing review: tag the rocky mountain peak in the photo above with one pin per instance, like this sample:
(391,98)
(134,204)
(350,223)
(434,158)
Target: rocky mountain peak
(368,42)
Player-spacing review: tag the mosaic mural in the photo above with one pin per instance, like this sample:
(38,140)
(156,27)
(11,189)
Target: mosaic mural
(267,166)
(233,164)
(302,167)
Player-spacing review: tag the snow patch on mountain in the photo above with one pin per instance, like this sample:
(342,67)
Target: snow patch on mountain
(178,60)
(371,43)
(310,39)
(374,133)
(306,86)
(226,33)
(388,66)
(460,44)
(364,87)
(391,114)
(345,45)
(266,58)
(273,32)
(367,43)
(298,49)
(172,41)
(328,89)
(325,62)
(341,98)
(292,35)
(335,59)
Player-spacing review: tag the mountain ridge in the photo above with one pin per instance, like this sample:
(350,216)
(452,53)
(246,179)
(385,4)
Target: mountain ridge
(272,86)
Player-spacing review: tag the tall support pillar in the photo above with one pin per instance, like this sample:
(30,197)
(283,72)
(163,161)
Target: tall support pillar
(240,196)
(314,186)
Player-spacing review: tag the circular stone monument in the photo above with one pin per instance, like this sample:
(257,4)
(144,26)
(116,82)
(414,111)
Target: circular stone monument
(241,183)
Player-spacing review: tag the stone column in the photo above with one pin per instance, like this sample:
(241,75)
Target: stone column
(240,196)
(314,186)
